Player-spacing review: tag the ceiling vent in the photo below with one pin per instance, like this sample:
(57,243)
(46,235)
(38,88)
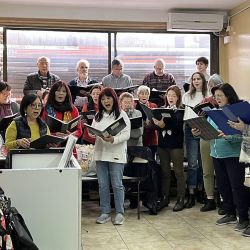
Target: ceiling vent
(199,22)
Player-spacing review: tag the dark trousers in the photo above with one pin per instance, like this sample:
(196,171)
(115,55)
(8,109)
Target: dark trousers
(230,177)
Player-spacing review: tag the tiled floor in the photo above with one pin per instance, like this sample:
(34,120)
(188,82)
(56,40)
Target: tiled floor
(188,229)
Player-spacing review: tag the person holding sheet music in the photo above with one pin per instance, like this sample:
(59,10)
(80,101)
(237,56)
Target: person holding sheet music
(127,104)
(82,79)
(150,137)
(170,149)
(27,127)
(91,105)
(230,173)
(207,161)
(7,107)
(197,92)
(110,155)
(60,106)
(117,79)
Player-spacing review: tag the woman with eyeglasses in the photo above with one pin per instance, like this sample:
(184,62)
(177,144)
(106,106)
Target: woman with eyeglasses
(28,126)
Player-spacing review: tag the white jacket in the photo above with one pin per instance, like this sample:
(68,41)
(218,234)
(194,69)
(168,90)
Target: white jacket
(116,151)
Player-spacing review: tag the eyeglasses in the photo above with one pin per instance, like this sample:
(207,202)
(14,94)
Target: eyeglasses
(35,106)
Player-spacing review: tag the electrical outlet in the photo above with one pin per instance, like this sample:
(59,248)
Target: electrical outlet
(227,39)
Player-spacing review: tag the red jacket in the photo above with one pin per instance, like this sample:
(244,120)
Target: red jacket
(73,114)
(86,136)
(150,137)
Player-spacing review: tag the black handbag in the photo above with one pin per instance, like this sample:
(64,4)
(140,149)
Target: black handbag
(15,226)
(20,234)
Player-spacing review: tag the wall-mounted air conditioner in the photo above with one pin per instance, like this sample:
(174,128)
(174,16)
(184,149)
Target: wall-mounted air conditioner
(203,22)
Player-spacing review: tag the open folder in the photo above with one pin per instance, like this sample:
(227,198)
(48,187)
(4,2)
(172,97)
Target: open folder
(44,141)
(5,121)
(56,125)
(136,122)
(208,132)
(156,113)
(221,119)
(112,129)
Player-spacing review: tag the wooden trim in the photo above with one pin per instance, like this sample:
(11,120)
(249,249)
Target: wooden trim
(82,24)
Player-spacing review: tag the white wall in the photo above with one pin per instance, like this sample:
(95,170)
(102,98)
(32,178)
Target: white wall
(78,13)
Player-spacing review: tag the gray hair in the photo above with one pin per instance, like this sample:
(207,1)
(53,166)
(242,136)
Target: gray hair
(216,79)
(161,61)
(82,61)
(143,88)
(43,57)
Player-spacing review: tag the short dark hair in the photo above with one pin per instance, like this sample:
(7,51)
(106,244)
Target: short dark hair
(4,86)
(117,62)
(26,101)
(229,92)
(202,59)
(51,98)
(115,109)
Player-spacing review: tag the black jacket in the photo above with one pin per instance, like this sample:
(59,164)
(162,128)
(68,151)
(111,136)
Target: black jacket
(34,82)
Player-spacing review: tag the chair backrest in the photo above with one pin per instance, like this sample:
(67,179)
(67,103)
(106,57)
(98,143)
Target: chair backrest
(138,160)
(139,152)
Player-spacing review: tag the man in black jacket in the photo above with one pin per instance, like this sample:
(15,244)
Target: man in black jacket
(39,81)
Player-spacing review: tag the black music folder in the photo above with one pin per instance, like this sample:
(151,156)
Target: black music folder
(208,132)
(88,116)
(157,113)
(126,89)
(5,122)
(81,91)
(112,129)
(56,125)
(45,140)
(136,122)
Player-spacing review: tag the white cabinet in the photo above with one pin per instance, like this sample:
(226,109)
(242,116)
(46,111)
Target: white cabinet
(49,199)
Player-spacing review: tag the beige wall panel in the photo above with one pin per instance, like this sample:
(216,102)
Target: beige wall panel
(235,56)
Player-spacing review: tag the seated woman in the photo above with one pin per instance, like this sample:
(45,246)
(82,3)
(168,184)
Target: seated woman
(60,106)
(27,127)
(91,105)
(127,104)
(7,107)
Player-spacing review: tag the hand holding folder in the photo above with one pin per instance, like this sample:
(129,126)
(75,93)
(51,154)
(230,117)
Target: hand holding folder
(56,125)
(113,129)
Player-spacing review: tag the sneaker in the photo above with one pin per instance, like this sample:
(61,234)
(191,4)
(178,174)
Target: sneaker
(103,218)
(209,206)
(240,226)
(246,232)
(227,219)
(119,219)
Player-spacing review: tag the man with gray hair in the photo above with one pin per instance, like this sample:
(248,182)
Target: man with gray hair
(38,82)
(158,79)
(117,79)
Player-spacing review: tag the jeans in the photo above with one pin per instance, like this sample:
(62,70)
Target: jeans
(230,177)
(194,171)
(110,172)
